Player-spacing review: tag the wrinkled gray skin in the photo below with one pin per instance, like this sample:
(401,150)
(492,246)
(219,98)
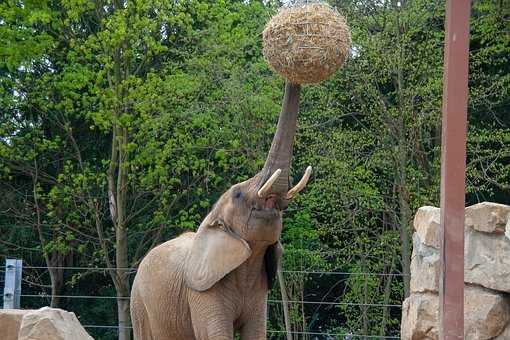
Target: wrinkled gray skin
(208,284)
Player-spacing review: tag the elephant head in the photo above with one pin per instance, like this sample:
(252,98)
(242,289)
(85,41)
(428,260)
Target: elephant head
(249,213)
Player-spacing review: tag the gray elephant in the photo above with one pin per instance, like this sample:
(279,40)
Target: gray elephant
(212,283)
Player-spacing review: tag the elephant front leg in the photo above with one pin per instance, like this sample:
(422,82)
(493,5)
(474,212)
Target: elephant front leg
(211,321)
(254,327)
(254,332)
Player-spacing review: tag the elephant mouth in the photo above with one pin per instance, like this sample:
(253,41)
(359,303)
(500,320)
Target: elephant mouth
(271,202)
(269,209)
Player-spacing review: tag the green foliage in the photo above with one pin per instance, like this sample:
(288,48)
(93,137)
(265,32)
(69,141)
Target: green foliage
(183,91)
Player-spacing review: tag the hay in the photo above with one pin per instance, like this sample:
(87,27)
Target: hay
(306,43)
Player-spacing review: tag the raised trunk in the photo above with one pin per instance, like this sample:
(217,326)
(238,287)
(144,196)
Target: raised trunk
(280,154)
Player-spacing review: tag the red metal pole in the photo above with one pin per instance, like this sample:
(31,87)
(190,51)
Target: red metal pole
(453,169)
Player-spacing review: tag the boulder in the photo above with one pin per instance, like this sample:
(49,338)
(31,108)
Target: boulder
(10,322)
(426,224)
(486,313)
(487,260)
(420,313)
(488,217)
(51,324)
(487,248)
(507,227)
(424,267)
(486,274)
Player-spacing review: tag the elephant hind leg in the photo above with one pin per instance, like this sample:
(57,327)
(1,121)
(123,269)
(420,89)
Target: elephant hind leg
(140,319)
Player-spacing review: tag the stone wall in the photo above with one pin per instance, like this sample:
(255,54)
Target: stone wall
(486,275)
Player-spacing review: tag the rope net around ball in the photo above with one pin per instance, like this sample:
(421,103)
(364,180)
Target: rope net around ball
(306,41)
(293,3)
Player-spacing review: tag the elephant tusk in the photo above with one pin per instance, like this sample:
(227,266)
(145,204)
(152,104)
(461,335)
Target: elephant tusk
(267,186)
(301,185)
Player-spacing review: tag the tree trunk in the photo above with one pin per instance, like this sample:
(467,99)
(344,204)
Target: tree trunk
(404,219)
(118,211)
(401,166)
(121,242)
(122,273)
(56,279)
(117,187)
(386,297)
(364,308)
(56,274)
(56,291)
(117,196)
(285,303)
(303,315)
(124,321)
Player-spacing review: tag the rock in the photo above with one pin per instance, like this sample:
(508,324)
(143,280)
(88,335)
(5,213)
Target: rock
(426,224)
(424,267)
(507,231)
(487,260)
(488,217)
(486,313)
(487,239)
(10,322)
(420,313)
(486,273)
(52,324)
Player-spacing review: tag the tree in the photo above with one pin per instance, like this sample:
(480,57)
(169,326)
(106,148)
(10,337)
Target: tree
(154,108)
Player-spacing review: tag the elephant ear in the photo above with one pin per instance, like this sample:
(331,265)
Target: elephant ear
(272,259)
(215,252)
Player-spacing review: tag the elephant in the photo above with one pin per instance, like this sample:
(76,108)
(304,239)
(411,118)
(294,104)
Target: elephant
(215,282)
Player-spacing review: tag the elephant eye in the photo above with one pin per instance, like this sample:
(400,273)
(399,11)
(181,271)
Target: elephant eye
(238,194)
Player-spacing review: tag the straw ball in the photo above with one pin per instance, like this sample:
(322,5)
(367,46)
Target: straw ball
(306,43)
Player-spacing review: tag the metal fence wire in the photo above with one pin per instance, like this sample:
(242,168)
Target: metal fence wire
(310,333)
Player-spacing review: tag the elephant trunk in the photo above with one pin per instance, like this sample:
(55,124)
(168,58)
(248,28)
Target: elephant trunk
(280,154)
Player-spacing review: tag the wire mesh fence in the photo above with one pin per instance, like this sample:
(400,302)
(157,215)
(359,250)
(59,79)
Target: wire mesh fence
(42,297)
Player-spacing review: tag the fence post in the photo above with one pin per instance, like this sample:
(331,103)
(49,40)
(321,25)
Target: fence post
(12,288)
